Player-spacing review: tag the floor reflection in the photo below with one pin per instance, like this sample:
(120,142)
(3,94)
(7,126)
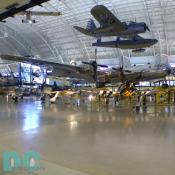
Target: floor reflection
(101,141)
(32,115)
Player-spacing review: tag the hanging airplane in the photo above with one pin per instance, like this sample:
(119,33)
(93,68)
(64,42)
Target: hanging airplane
(10,8)
(136,43)
(29,14)
(110,25)
(92,73)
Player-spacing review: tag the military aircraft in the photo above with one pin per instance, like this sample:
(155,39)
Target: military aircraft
(88,71)
(110,25)
(92,73)
(10,8)
(136,44)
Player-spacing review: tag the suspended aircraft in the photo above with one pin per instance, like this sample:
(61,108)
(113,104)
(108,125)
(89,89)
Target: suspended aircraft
(9,9)
(92,73)
(29,14)
(136,43)
(110,25)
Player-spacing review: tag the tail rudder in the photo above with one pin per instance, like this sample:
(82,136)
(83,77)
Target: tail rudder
(82,30)
(91,25)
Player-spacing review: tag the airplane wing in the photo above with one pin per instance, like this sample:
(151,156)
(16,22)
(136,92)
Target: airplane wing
(106,18)
(11,7)
(40,13)
(138,37)
(59,70)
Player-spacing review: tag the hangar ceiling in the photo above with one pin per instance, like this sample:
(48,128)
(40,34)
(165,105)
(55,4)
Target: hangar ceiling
(54,39)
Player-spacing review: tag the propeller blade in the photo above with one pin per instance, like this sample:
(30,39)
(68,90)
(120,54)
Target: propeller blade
(128,71)
(84,62)
(94,63)
(148,29)
(95,54)
(118,69)
(115,69)
(121,70)
(101,65)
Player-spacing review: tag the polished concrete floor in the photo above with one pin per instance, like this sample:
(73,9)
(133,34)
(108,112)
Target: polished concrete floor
(90,139)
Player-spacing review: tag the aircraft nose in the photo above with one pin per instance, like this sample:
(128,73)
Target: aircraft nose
(155,41)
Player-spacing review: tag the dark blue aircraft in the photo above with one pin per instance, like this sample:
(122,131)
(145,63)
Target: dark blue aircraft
(138,44)
(110,25)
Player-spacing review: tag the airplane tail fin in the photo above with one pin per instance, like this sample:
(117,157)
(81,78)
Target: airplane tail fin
(82,30)
(91,25)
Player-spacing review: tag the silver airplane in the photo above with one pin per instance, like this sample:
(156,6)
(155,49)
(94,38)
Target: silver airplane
(29,14)
(139,43)
(110,25)
(93,74)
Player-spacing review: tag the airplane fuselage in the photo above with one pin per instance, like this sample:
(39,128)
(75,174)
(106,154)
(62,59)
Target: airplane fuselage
(111,31)
(108,31)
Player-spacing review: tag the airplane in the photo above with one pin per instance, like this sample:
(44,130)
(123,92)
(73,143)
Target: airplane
(29,15)
(88,72)
(95,75)
(110,25)
(62,93)
(9,9)
(137,44)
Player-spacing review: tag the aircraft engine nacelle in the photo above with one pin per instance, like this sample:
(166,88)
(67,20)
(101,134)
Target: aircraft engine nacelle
(138,27)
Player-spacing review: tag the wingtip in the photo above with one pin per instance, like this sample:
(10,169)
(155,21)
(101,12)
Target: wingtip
(97,7)
(77,28)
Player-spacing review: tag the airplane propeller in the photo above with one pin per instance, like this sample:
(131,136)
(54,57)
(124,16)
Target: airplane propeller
(94,63)
(95,66)
(146,28)
(122,72)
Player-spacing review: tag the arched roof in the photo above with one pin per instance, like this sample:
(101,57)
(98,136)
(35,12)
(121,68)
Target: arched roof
(54,39)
